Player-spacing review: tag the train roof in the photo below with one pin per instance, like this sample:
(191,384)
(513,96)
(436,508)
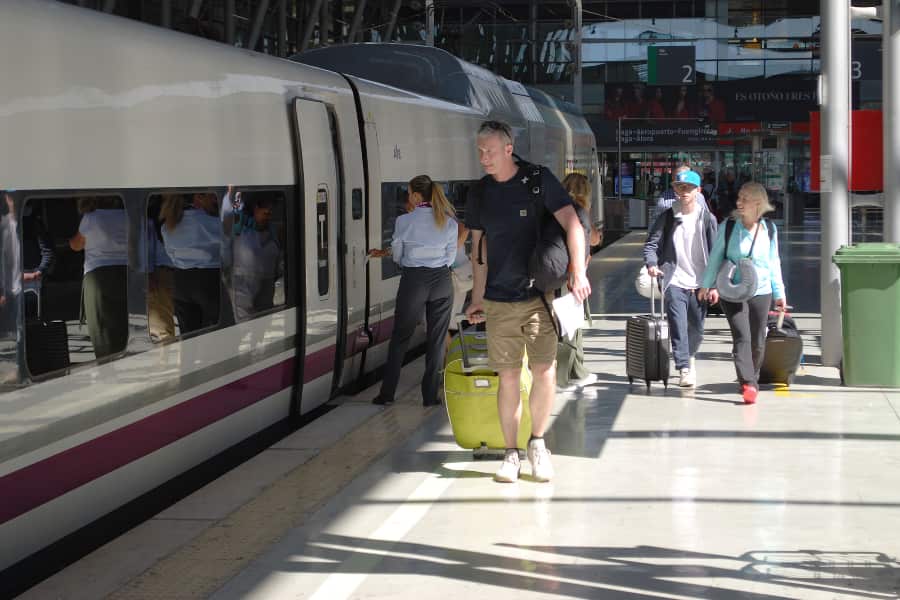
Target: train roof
(427,71)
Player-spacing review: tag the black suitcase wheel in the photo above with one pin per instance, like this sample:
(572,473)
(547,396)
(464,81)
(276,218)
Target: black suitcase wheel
(630,380)
(666,383)
(648,386)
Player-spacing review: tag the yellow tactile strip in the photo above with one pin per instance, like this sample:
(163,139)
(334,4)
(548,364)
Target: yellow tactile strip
(205,564)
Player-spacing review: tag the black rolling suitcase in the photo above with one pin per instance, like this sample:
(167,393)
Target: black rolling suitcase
(784,350)
(647,345)
(46,342)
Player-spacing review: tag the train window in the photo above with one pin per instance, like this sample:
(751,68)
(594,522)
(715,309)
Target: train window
(357,204)
(322,263)
(75,278)
(184,294)
(257,251)
(393,204)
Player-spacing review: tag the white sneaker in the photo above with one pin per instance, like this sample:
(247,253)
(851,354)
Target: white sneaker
(509,469)
(539,456)
(688,379)
(578,384)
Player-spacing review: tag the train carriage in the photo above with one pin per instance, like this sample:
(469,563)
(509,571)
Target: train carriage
(106,114)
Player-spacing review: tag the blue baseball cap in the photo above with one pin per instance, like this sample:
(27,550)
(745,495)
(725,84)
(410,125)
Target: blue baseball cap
(691,177)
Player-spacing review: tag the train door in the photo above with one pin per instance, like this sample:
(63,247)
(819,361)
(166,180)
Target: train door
(319,198)
(374,283)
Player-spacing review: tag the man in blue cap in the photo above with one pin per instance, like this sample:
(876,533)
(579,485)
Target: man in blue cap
(677,249)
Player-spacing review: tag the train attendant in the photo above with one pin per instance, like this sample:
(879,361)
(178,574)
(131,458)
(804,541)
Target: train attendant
(424,245)
(103,235)
(755,238)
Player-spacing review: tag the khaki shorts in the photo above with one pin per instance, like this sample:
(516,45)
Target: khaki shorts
(513,327)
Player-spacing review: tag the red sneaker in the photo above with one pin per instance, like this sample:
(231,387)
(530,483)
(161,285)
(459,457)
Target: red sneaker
(749,392)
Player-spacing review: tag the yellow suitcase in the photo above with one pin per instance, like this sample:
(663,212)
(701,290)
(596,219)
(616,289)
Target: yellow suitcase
(470,395)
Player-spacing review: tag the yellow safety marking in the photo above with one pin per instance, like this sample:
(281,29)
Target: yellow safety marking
(784,391)
(215,556)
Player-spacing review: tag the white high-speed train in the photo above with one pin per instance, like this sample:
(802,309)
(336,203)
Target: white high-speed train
(102,112)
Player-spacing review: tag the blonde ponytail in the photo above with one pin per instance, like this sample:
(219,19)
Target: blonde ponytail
(434,193)
(441,206)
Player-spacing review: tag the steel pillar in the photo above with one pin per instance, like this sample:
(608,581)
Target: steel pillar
(229,22)
(261,9)
(429,22)
(311,21)
(282,28)
(835,168)
(392,22)
(576,54)
(532,39)
(357,21)
(890,112)
(165,17)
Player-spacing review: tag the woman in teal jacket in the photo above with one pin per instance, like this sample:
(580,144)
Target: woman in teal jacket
(748,319)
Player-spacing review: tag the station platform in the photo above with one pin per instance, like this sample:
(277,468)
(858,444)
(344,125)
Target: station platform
(671,494)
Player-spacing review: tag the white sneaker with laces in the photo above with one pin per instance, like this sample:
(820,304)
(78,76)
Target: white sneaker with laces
(688,379)
(509,469)
(539,457)
(577,384)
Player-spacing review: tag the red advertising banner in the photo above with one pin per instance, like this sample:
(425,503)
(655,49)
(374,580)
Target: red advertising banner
(866,156)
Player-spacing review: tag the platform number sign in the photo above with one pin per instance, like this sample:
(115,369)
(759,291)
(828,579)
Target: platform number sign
(671,65)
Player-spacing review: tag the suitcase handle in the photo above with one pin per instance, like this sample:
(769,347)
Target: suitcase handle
(469,364)
(34,287)
(654,284)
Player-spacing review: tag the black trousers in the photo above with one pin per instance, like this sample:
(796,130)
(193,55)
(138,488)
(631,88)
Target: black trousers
(748,322)
(431,290)
(197,298)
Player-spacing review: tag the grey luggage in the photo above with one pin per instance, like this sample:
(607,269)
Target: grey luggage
(647,345)
(784,350)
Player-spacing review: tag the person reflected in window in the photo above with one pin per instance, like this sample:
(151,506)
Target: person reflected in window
(192,235)
(38,258)
(10,290)
(103,236)
(161,280)
(257,257)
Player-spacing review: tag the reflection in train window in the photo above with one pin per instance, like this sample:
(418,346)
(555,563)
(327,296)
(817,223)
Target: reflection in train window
(185,234)
(322,264)
(257,251)
(393,204)
(75,257)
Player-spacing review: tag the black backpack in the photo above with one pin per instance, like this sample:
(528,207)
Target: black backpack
(548,265)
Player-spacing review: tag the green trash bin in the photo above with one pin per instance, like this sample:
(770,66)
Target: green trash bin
(870,311)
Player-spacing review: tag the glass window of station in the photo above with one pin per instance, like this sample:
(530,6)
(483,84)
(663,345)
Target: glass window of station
(725,86)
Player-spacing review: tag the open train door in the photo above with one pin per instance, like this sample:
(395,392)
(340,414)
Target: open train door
(318,199)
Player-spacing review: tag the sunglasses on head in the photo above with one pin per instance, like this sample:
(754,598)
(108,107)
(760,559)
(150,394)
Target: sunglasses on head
(495,126)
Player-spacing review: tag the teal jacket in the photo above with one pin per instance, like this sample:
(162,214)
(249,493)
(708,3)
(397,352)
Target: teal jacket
(765,257)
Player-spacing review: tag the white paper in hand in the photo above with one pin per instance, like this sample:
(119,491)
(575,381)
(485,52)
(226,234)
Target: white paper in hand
(570,313)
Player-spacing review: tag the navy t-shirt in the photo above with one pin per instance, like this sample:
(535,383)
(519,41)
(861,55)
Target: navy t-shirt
(504,212)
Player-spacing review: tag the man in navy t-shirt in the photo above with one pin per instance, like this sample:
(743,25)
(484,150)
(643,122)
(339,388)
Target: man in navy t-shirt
(517,319)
